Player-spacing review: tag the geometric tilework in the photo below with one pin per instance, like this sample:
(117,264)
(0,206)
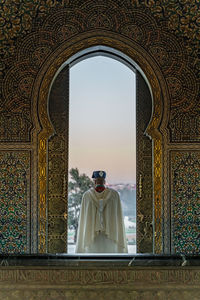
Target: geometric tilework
(185,206)
(14,194)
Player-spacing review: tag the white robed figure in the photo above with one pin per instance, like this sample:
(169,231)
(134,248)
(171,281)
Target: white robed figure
(101,226)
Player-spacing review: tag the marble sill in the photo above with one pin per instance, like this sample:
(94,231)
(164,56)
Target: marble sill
(99,260)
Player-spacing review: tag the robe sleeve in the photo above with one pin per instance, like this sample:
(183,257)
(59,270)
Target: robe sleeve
(85,234)
(122,243)
(115,229)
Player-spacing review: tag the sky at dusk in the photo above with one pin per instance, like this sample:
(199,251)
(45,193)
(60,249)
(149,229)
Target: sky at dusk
(102,119)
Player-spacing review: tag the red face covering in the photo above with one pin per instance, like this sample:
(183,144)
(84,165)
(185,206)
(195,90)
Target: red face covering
(99,188)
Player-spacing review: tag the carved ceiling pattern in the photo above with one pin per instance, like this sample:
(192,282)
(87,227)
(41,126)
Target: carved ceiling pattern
(181,17)
(31,31)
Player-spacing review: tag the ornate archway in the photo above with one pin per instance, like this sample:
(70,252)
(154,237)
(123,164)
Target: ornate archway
(44,81)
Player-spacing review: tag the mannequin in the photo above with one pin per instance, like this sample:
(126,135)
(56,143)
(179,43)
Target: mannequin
(101,225)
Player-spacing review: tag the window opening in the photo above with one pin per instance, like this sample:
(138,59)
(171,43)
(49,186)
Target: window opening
(102,136)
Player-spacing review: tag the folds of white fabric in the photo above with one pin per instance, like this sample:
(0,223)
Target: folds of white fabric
(101,225)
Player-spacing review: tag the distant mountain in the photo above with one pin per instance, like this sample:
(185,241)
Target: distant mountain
(121,186)
(127,194)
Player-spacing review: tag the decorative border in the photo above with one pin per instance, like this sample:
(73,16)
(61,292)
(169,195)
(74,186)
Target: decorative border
(48,276)
(157,188)
(153,131)
(42,189)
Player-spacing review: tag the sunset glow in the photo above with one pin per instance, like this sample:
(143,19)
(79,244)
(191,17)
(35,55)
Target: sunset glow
(102,119)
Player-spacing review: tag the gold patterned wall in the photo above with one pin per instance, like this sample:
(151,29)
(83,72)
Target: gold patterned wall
(37,37)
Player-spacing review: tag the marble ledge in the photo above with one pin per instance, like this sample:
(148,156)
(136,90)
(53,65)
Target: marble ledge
(99,260)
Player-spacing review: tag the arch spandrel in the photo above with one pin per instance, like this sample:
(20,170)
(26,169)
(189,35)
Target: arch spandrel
(138,22)
(152,74)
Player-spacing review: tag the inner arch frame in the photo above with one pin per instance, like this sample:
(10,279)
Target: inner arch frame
(142,61)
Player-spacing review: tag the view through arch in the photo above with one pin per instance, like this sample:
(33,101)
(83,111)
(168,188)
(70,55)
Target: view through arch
(58,150)
(102,135)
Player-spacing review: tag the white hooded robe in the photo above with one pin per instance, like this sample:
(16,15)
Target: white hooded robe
(101,225)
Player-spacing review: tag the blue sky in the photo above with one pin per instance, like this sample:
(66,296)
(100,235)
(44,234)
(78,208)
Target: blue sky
(102,119)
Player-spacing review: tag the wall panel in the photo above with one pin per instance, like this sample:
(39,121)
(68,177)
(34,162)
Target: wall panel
(15,201)
(185,201)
